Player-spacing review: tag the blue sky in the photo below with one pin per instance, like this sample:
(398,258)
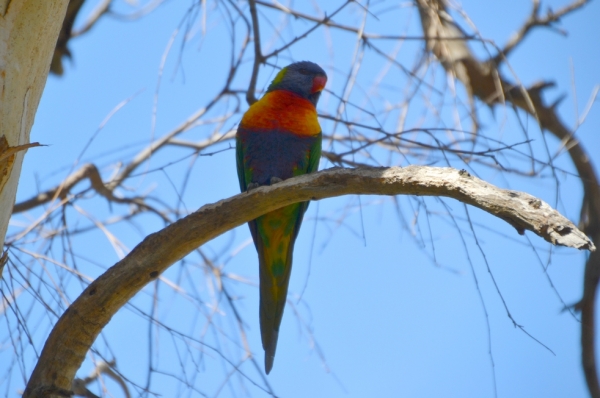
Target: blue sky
(387,298)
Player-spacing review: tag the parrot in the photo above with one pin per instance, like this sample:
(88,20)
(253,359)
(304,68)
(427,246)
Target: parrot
(279,137)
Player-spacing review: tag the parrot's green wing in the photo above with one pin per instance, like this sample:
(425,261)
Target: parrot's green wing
(239,157)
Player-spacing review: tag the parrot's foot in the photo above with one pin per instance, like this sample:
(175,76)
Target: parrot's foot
(252,185)
(275,180)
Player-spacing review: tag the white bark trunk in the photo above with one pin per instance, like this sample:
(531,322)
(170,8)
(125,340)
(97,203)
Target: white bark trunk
(28,33)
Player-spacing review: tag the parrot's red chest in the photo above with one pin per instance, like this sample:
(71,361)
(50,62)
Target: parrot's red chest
(282,110)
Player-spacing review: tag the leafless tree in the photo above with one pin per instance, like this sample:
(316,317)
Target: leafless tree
(41,258)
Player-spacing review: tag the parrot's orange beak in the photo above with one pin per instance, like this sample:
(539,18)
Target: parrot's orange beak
(318,84)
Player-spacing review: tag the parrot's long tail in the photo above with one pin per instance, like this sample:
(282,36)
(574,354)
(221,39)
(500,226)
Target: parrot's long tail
(277,233)
(273,294)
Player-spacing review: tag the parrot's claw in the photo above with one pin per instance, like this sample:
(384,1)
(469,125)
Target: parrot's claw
(252,185)
(275,180)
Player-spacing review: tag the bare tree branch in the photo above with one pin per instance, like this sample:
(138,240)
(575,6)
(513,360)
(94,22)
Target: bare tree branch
(79,385)
(12,150)
(98,12)
(258,57)
(535,20)
(147,152)
(309,31)
(62,49)
(84,319)
(327,21)
(88,171)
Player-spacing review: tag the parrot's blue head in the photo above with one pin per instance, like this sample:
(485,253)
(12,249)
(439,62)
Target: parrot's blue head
(304,78)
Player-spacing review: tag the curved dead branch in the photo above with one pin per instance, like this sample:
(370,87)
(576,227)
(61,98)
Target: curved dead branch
(81,323)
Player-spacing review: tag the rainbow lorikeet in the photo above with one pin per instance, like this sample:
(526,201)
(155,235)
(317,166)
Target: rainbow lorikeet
(279,137)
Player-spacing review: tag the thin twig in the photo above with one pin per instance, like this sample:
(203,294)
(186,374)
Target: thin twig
(258,57)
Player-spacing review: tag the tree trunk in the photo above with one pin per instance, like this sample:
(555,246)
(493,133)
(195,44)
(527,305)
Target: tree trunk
(28,33)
